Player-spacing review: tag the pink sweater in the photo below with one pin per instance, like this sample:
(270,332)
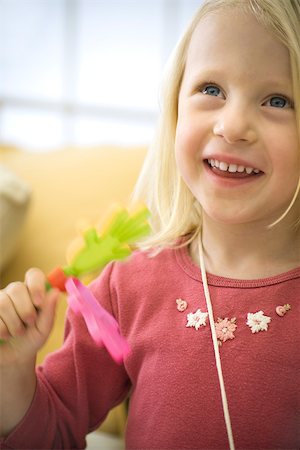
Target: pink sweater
(170,375)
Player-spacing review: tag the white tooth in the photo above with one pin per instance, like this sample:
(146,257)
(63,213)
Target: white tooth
(212,163)
(240,169)
(217,164)
(249,170)
(232,168)
(209,161)
(223,166)
(256,171)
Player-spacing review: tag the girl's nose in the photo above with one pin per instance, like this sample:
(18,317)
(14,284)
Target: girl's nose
(235,123)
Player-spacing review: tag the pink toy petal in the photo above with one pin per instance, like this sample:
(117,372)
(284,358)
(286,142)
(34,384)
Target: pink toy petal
(101,325)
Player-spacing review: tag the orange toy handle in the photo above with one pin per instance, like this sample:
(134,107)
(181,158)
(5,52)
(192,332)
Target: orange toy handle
(57,279)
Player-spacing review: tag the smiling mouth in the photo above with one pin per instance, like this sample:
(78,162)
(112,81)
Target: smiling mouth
(227,170)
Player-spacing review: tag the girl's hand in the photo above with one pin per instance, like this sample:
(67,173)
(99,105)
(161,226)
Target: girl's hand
(26,317)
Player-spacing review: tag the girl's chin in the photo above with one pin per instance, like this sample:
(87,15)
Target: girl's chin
(228,215)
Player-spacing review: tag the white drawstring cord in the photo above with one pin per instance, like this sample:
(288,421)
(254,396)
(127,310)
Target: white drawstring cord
(216,346)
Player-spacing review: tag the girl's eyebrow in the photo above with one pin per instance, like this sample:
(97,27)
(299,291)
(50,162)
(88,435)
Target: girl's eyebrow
(197,76)
(206,74)
(276,86)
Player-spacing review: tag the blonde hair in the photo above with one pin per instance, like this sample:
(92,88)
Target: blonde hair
(174,210)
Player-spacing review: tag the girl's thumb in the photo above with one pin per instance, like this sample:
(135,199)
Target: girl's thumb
(46,314)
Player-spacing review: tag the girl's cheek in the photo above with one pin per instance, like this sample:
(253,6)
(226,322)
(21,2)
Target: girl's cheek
(185,137)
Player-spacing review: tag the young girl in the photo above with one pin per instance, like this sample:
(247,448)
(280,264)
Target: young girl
(211,304)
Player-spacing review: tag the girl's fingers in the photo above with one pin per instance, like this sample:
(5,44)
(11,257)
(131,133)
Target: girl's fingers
(22,303)
(11,322)
(46,315)
(19,303)
(36,285)
(44,301)
(4,333)
(27,306)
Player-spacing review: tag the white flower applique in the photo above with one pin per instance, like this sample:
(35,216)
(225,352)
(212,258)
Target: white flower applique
(258,321)
(196,319)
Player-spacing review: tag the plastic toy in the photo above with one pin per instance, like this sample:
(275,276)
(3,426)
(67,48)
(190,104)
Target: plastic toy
(101,325)
(114,243)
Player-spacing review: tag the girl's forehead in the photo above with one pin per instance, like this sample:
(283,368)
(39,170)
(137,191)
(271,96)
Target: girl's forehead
(228,27)
(223,35)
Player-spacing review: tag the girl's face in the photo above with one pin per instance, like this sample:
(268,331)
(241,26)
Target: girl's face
(237,146)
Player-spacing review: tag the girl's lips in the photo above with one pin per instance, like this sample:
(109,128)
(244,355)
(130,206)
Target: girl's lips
(232,166)
(231,177)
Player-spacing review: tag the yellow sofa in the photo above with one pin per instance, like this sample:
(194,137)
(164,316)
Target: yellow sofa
(67,186)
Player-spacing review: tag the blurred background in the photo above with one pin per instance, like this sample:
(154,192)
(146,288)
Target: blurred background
(84,72)
(79,102)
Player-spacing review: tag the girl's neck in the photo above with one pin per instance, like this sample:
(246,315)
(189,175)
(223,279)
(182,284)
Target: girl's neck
(249,251)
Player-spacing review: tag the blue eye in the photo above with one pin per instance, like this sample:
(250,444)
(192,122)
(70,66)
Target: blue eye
(279,102)
(211,90)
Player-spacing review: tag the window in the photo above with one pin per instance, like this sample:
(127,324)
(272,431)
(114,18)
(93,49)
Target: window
(84,72)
